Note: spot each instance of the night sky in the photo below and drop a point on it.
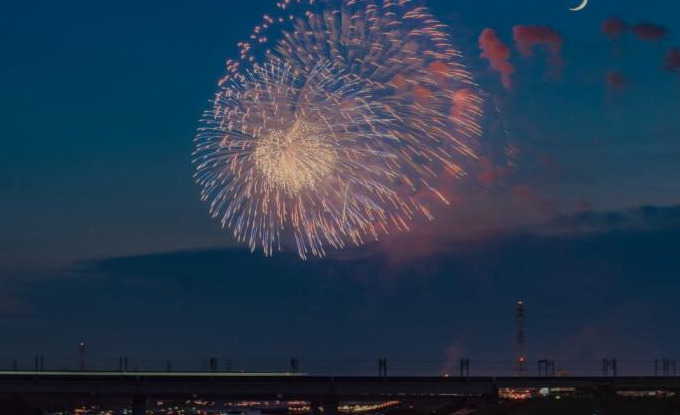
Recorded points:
(103, 237)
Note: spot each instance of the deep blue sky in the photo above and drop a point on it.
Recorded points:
(103, 238)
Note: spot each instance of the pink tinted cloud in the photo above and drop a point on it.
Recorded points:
(614, 27)
(549, 164)
(673, 60)
(497, 53)
(491, 174)
(525, 194)
(461, 102)
(529, 37)
(583, 205)
(616, 81)
(650, 31)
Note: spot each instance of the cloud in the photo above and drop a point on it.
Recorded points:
(529, 37)
(525, 194)
(643, 218)
(326, 302)
(650, 31)
(497, 53)
(472, 224)
(616, 81)
(461, 102)
(673, 60)
(440, 72)
(614, 27)
(583, 205)
(490, 173)
(446, 303)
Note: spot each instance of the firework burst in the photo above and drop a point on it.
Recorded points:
(335, 121)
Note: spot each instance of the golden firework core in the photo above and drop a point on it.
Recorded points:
(295, 159)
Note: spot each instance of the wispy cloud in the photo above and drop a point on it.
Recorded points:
(650, 31)
(673, 60)
(498, 55)
(614, 27)
(529, 37)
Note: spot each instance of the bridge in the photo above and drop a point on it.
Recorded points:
(138, 388)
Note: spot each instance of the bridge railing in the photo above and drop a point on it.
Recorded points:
(349, 366)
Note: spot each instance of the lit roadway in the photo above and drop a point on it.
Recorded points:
(138, 387)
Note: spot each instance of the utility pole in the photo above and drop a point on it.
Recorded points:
(521, 364)
(81, 351)
(382, 368)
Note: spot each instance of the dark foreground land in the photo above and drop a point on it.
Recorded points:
(561, 407)
(530, 407)
(587, 407)
(141, 391)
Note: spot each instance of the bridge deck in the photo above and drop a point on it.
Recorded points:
(285, 386)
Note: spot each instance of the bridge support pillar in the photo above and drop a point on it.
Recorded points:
(315, 407)
(139, 405)
(330, 407)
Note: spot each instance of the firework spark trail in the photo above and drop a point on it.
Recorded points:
(337, 113)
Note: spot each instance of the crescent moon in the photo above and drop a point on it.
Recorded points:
(581, 7)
